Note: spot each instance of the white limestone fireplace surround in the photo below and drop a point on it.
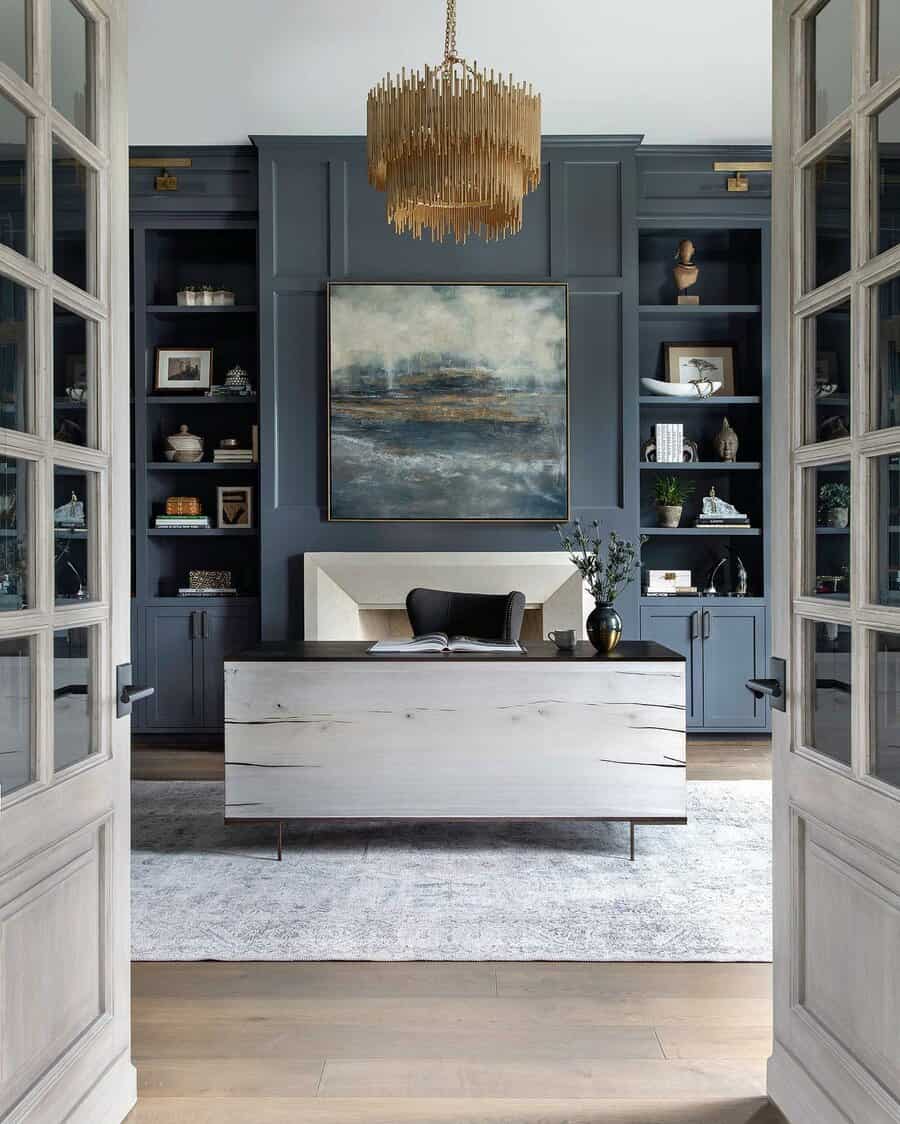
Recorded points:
(360, 595)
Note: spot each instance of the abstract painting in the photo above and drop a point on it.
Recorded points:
(448, 402)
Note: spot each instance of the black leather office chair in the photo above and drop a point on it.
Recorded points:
(487, 616)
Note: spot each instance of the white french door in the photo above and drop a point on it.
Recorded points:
(64, 563)
(836, 560)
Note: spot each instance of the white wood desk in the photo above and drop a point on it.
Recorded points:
(322, 730)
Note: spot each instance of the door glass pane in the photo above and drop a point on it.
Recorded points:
(12, 35)
(16, 742)
(71, 518)
(70, 32)
(887, 140)
(886, 311)
(832, 55)
(888, 13)
(831, 186)
(885, 763)
(73, 383)
(831, 492)
(14, 576)
(13, 174)
(828, 665)
(829, 367)
(885, 478)
(15, 355)
(73, 738)
(73, 227)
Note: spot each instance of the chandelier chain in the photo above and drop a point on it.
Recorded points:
(450, 34)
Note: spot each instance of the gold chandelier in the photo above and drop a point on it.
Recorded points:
(455, 149)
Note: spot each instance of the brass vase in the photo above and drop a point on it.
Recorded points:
(604, 626)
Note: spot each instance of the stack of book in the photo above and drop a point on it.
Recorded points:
(209, 591)
(669, 442)
(183, 522)
(736, 520)
(233, 456)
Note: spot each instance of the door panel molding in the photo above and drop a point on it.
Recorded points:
(43, 895)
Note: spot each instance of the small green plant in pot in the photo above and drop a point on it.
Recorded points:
(606, 571)
(834, 505)
(670, 496)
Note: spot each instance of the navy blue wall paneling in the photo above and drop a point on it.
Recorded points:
(320, 221)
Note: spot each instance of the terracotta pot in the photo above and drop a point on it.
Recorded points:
(667, 516)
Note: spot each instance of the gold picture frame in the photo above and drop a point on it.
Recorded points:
(687, 362)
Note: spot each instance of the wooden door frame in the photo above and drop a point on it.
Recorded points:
(812, 1072)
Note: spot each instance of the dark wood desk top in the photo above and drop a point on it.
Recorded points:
(628, 651)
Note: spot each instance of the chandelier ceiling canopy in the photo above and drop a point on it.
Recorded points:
(455, 149)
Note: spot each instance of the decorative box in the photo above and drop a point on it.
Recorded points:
(183, 505)
(209, 579)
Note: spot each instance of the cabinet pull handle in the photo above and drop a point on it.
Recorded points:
(695, 624)
(204, 632)
(193, 626)
(706, 624)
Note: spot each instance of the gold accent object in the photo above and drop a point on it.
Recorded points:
(183, 505)
(455, 149)
(738, 181)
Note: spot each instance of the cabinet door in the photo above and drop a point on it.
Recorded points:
(734, 647)
(225, 630)
(171, 643)
(678, 628)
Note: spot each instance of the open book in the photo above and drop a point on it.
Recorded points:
(430, 642)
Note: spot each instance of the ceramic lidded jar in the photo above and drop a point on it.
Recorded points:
(187, 447)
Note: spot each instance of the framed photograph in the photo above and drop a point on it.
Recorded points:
(183, 369)
(234, 507)
(688, 362)
(448, 402)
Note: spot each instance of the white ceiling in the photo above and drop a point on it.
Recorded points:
(679, 71)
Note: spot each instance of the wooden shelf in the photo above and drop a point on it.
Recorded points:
(198, 309)
(201, 466)
(199, 532)
(832, 530)
(694, 311)
(709, 532)
(701, 466)
(693, 403)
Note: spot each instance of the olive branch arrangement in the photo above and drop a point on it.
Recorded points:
(605, 571)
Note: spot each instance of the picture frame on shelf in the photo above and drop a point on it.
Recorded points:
(183, 370)
(689, 362)
(234, 507)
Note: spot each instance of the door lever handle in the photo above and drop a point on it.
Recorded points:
(135, 694)
(773, 687)
(762, 687)
(126, 693)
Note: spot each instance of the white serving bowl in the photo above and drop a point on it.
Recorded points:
(676, 389)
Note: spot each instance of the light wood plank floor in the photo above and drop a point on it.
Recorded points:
(708, 760)
(534, 1043)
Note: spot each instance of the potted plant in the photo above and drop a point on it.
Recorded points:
(606, 571)
(834, 505)
(670, 496)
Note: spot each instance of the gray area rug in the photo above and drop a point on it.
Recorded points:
(431, 891)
